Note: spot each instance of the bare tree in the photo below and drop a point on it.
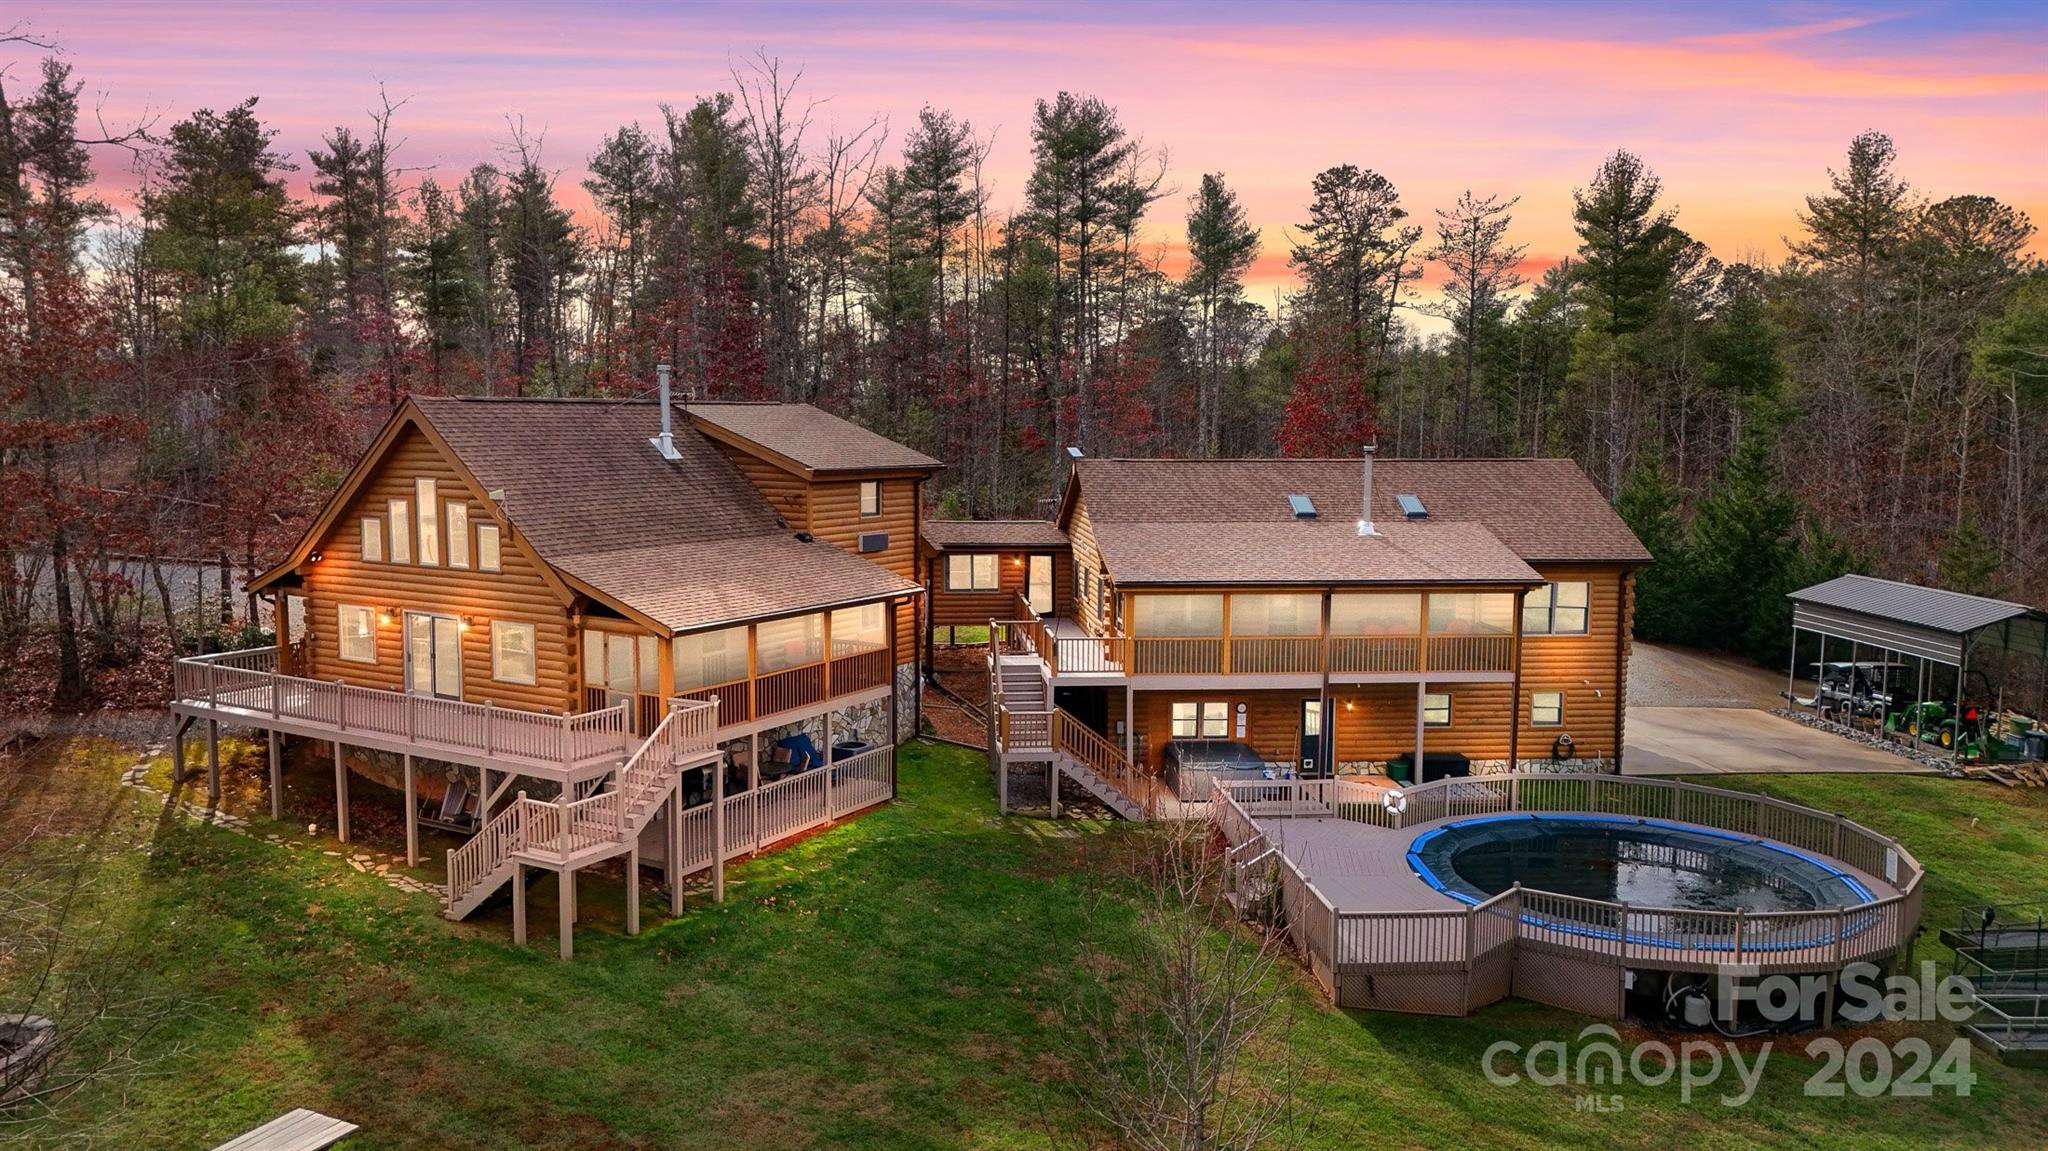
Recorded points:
(1172, 1034)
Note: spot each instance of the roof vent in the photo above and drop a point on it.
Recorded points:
(1304, 508)
(1412, 507)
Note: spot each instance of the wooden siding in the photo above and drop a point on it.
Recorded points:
(1588, 668)
(785, 491)
(835, 518)
(975, 608)
(518, 594)
(1081, 532)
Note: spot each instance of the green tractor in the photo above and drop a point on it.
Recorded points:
(1919, 720)
(1966, 733)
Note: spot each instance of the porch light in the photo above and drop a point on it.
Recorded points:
(385, 615)
(464, 623)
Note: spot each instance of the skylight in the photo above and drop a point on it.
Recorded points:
(1304, 508)
(1412, 507)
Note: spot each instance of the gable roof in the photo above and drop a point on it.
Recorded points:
(1230, 521)
(678, 545)
(953, 534)
(811, 440)
(1953, 612)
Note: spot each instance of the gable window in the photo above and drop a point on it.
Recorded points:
(1436, 709)
(373, 539)
(487, 557)
(1209, 719)
(1546, 709)
(512, 652)
(458, 535)
(971, 572)
(430, 523)
(871, 497)
(401, 531)
(1555, 609)
(357, 629)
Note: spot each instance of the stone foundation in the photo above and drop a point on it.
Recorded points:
(909, 705)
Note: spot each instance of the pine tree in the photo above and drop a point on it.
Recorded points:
(1222, 245)
(1472, 246)
(1666, 600)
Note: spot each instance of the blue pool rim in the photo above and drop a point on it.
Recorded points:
(1851, 925)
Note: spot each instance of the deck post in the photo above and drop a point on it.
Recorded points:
(675, 850)
(633, 889)
(519, 903)
(213, 763)
(1052, 785)
(566, 903)
(178, 750)
(276, 776)
(412, 816)
(340, 795)
(828, 764)
(718, 824)
(1421, 725)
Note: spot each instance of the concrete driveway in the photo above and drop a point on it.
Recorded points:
(1739, 740)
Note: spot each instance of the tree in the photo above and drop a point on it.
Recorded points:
(1472, 246)
(622, 184)
(1222, 245)
(1743, 549)
(1666, 603)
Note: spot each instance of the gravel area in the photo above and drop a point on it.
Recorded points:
(1661, 675)
(1923, 754)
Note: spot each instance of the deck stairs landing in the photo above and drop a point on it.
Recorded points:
(2003, 952)
(1026, 689)
(589, 828)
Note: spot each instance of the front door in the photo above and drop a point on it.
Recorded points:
(1038, 585)
(1314, 762)
(433, 655)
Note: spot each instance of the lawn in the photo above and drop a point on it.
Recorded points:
(892, 983)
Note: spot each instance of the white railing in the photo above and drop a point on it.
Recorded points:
(1457, 938)
(247, 683)
(757, 820)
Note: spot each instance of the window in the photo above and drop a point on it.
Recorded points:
(487, 558)
(401, 531)
(430, 522)
(1178, 615)
(358, 633)
(871, 497)
(458, 535)
(860, 629)
(1546, 708)
(971, 573)
(1471, 613)
(1436, 709)
(1375, 614)
(373, 539)
(512, 652)
(711, 658)
(782, 644)
(1555, 609)
(1206, 720)
(1279, 614)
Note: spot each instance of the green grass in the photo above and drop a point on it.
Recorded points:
(892, 983)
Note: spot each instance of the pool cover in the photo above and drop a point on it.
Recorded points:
(1627, 859)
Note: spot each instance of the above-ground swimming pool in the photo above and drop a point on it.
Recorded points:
(1644, 863)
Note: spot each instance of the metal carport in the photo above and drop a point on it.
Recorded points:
(1935, 627)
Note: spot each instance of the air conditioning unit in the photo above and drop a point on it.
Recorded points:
(874, 542)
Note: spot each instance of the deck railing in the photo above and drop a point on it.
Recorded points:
(1251, 655)
(247, 683)
(758, 819)
(1462, 941)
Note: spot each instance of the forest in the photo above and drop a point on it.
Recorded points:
(188, 374)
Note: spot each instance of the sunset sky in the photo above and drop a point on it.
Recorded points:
(1739, 108)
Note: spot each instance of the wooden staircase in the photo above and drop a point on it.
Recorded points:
(569, 832)
(1030, 727)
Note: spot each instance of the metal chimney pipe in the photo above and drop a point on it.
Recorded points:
(665, 443)
(1365, 525)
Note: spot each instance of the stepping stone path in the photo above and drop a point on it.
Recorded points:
(389, 868)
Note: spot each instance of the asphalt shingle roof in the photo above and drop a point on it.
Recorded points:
(944, 534)
(688, 543)
(1231, 520)
(814, 439)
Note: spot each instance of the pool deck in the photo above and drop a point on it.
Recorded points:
(1362, 868)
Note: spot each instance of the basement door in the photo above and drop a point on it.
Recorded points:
(1315, 741)
(433, 655)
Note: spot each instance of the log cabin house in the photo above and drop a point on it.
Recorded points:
(581, 629)
(1399, 618)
